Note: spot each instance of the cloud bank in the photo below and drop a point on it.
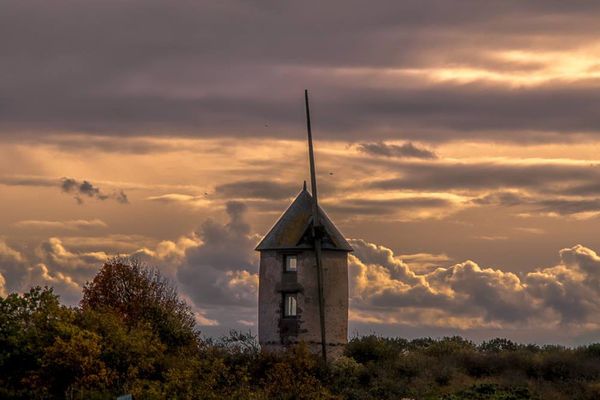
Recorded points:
(466, 296)
(512, 71)
(216, 269)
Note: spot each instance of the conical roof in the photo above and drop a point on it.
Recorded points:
(290, 231)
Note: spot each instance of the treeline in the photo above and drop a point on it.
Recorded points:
(132, 334)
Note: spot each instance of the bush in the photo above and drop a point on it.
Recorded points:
(375, 348)
(488, 391)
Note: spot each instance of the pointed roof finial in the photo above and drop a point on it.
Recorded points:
(304, 186)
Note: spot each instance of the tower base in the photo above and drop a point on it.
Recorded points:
(334, 350)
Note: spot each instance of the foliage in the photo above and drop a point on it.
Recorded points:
(489, 391)
(30, 324)
(132, 334)
(139, 294)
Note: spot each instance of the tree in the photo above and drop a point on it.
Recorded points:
(130, 353)
(140, 294)
(29, 323)
(74, 364)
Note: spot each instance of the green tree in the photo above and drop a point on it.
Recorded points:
(29, 324)
(131, 353)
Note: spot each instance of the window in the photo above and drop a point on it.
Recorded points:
(291, 263)
(289, 305)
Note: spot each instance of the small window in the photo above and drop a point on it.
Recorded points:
(291, 263)
(289, 305)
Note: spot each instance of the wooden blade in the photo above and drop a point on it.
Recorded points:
(311, 158)
(316, 230)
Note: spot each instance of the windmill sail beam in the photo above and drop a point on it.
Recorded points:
(311, 157)
(316, 229)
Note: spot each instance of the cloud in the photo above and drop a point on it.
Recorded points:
(173, 197)
(180, 198)
(242, 285)
(67, 269)
(470, 296)
(403, 208)
(424, 262)
(506, 199)
(406, 150)
(452, 175)
(110, 242)
(37, 181)
(51, 265)
(121, 197)
(535, 187)
(538, 204)
(72, 184)
(570, 206)
(64, 285)
(72, 225)
(12, 266)
(167, 254)
(78, 265)
(257, 189)
(222, 269)
(86, 189)
(454, 78)
(79, 189)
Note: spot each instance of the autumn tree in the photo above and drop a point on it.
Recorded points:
(141, 295)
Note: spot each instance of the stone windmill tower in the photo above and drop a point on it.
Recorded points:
(303, 279)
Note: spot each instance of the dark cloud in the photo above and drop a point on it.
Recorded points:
(501, 198)
(481, 176)
(28, 181)
(257, 189)
(357, 207)
(222, 268)
(80, 189)
(205, 69)
(569, 206)
(121, 197)
(406, 150)
(586, 189)
(540, 203)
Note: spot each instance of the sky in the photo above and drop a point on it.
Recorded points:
(457, 147)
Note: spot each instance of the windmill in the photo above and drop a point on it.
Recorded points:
(303, 275)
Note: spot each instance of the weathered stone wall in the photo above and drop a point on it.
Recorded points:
(274, 281)
(269, 300)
